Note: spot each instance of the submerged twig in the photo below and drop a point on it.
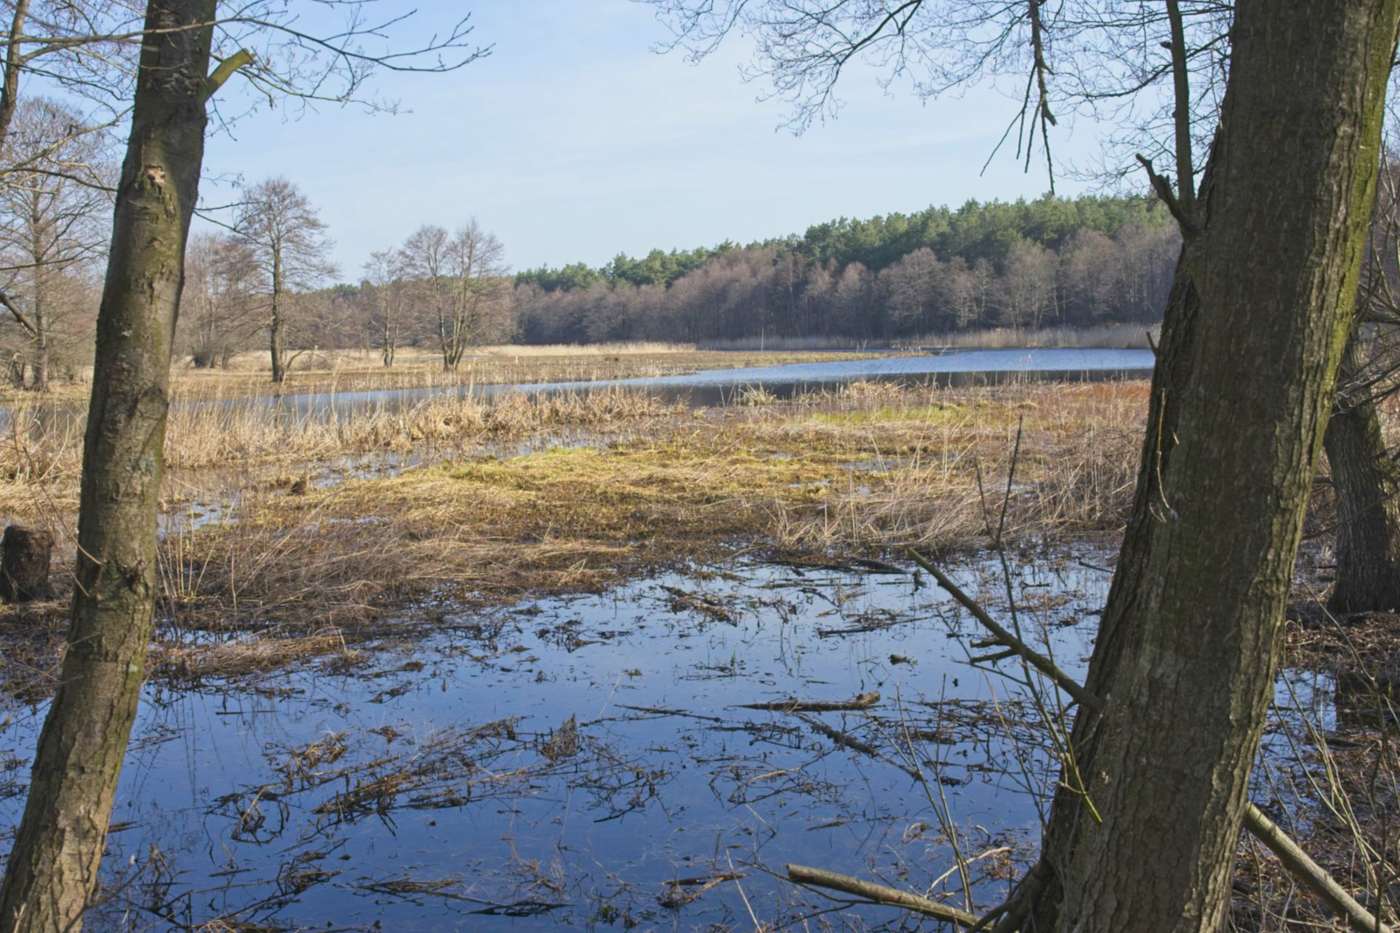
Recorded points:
(793, 705)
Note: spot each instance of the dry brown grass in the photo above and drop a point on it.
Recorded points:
(866, 469)
(239, 447)
(870, 468)
(1140, 336)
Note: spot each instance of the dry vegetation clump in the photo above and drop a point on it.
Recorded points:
(869, 468)
(255, 443)
(864, 469)
(208, 436)
(935, 463)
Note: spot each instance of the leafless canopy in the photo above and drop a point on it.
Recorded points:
(460, 277)
(1106, 58)
(284, 51)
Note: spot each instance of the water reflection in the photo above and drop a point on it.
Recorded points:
(578, 759)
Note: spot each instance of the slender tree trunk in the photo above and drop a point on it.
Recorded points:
(445, 342)
(40, 313)
(53, 866)
(41, 345)
(275, 350)
(1367, 483)
(274, 328)
(9, 82)
(1145, 824)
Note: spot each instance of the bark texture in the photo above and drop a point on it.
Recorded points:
(1144, 827)
(53, 866)
(9, 79)
(1367, 483)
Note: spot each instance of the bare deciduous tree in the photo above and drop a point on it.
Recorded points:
(460, 277)
(289, 244)
(386, 291)
(219, 305)
(49, 226)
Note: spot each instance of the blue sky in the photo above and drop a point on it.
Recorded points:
(574, 141)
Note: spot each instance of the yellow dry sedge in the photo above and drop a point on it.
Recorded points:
(855, 471)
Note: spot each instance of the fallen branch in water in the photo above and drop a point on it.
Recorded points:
(1288, 852)
(1302, 867)
(1041, 663)
(793, 705)
(683, 891)
(855, 744)
(879, 894)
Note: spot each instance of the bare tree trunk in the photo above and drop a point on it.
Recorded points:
(1367, 482)
(53, 866)
(40, 314)
(275, 349)
(1144, 827)
(9, 83)
(445, 342)
(274, 328)
(41, 347)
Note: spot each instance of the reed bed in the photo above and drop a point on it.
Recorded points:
(41, 449)
(1139, 336)
(866, 470)
(357, 370)
(488, 503)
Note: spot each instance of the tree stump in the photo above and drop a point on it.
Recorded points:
(24, 565)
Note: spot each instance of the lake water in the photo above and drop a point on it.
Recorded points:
(715, 386)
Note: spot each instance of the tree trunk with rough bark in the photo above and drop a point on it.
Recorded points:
(53, 866)
(9, 80)
(1144, 827)
(1367, 483)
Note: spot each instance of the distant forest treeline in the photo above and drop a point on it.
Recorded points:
(261, 283)
(1052, 261)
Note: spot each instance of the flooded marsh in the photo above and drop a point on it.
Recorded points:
(586, 760)
(612, 660)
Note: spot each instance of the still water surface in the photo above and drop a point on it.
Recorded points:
(560, 763)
